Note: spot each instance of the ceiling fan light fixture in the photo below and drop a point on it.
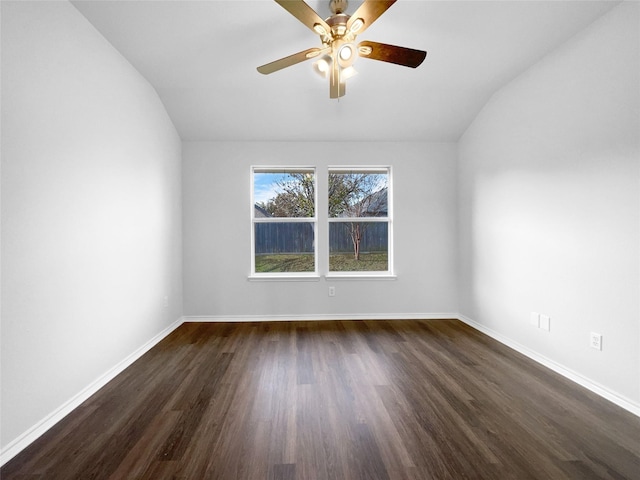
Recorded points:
(346, 52)
(347, 73)
(322, 67)
(338, 53)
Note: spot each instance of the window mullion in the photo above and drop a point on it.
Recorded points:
(358, 219)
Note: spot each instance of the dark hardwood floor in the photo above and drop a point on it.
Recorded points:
(336, 400)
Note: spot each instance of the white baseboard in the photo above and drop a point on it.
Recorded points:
(319, 317)
(28, 437)
(581, 380)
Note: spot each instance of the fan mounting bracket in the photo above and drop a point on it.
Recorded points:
(338, 6)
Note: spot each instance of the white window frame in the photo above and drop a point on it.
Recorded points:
(364, 274)
(313, 220)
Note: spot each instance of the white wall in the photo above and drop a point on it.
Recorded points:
(216, 189)
(91, 233)
(549, 183)
(548, 212)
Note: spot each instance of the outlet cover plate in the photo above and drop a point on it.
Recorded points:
(545, 322)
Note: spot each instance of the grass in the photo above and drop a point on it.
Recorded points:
(304, 262)
(369, 262)
(285, 262)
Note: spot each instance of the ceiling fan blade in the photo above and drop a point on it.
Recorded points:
(304, 13)
(292, 60)
(407, 57)
(337, 88)
(369, 12)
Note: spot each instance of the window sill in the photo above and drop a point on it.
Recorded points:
(283, 278)
(362, 276)
(316, 278)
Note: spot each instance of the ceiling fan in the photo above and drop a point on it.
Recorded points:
(338, 34)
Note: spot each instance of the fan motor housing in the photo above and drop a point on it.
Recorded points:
(338, 24)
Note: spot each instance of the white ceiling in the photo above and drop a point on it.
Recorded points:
(201, 57)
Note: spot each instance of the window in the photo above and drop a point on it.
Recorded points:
(356, 238)
(284, 222)
(359, 220)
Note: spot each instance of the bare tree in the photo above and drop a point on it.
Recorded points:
(356, 195)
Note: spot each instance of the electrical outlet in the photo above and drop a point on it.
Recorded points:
(166, 302)
(332, 291)
(596, 341)
(545, 322)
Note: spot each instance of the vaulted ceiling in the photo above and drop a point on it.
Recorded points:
(201, 57)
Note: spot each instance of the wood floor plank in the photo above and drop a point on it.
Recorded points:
(392, 400)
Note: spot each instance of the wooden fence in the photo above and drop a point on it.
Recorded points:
(273, 238)
(375, 237)
(283, 238)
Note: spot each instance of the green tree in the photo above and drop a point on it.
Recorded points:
(295, 197)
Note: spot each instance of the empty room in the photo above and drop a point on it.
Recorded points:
(258, 239)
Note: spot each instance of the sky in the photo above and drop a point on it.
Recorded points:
(264, 185)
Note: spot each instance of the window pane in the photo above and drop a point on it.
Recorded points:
(361, 194)
(284, 247)
(289, 194)
(358, 246)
